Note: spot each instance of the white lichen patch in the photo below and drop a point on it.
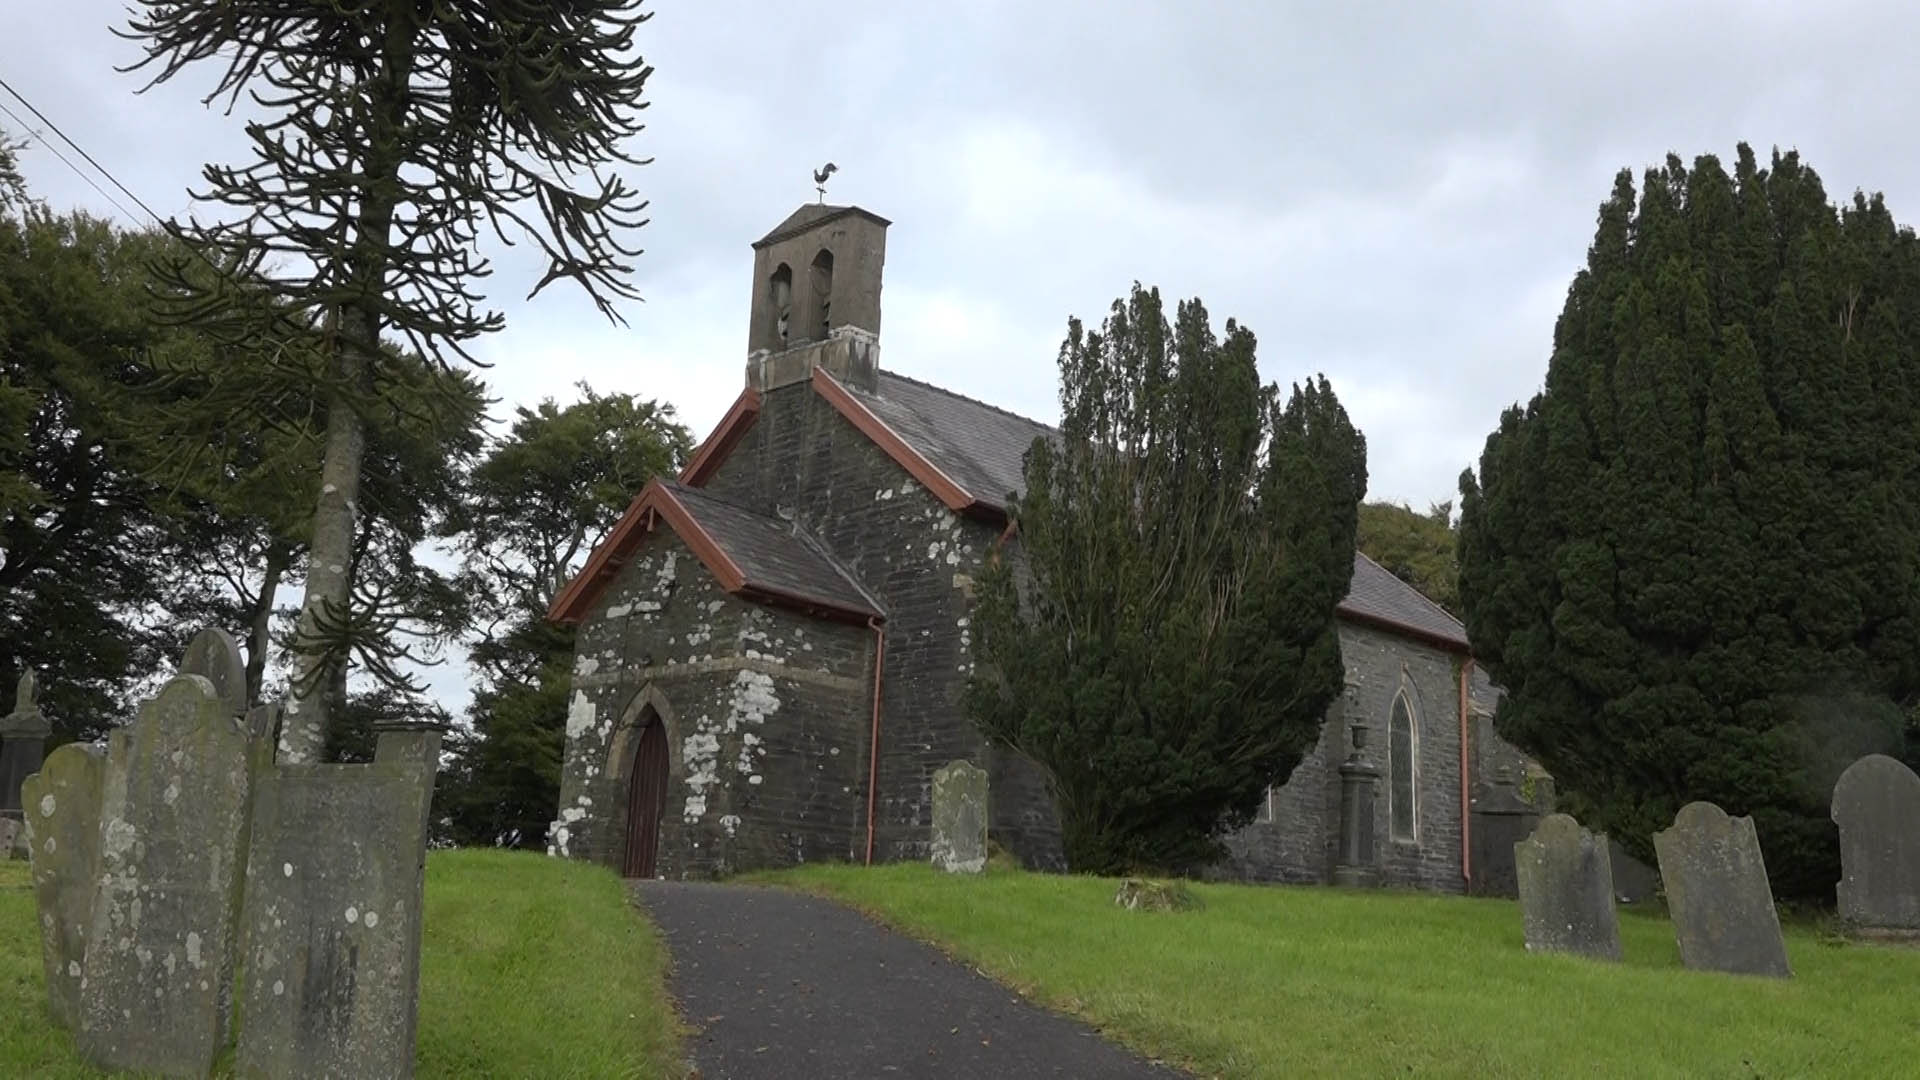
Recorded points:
(372, 919)
(353, 915)
(193, 950)
(286, 869)
(46, 806)
(619, 611)
(580, 715)
(585, 665)
(730, 822)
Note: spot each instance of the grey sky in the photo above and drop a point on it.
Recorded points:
(1394, 194)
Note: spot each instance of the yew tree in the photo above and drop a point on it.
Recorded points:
(390, 137)
(1160, 637)
(1693, 559)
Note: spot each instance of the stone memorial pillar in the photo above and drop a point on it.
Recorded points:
(1354, 862)
(1501, 819)
(23, 740)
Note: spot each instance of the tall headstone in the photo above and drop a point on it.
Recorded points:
(960, 818)
(1565, 882)
(214, 655)
(1354, 861)
(23, 740)
(160, 945)
(63, 834)
(1501, 819)
(1876, 804)
(335, 888)
(1717, 893)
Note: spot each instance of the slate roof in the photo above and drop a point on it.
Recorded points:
(979, 447)
(774, 554)
(982, 449)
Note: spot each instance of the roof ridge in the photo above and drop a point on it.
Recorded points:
(1410, 587)
(970, 400)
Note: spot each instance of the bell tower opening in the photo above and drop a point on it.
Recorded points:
(781, 287)
(822, 281)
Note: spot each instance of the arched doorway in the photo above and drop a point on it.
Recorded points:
(646, 797)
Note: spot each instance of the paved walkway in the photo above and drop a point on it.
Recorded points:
(780, 985)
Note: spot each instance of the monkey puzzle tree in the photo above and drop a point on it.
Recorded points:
(1693, 560)
(1162, 643)
(395, 133)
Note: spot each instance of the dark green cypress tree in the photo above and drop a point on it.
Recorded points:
(1161, 638)
(1693, 560)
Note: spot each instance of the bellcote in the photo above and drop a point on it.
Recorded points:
(816, 297)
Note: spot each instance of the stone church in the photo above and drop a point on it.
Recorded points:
(773, 646)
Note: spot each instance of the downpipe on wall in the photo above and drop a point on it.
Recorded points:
(873, 748)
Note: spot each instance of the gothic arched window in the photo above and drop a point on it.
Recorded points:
(1403, 768)
(782, 285)
(823, 292)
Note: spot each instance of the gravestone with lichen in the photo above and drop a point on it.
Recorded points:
(1565, 881)
(332, 916)
(1717, 893)
(63, 836)
(1876, 804)
(23, 738)
(960, 818)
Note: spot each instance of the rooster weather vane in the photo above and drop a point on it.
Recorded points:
(820, 178)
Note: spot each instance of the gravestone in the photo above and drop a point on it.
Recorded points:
(1876, 804)
(960, 818)
(23, 740)
(335, 881)
(214, 655)
(63, 833)
(1354, 863)
(1717, 893)
(1565, 882)
(1501, 819)
(160, 945)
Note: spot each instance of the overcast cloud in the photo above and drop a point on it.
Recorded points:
(1396, 195)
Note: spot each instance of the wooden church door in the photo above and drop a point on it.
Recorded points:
(646, 799)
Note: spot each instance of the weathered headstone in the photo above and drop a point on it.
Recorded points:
(23, 740)
(1354, 863)
(63, 834)
(160, 945)
(215, 656)
(1876, 804)
(1501, 819)
(335, 882)
(960, 818)
(1717, 893)
(1565, 881)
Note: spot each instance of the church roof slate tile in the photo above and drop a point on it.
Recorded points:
(774, 555)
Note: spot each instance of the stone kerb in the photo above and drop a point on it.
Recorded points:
(159, 949)
(1565, 882)
(1876, 804)
(63, 836)
(960, 818)
(1718, 895)
(335, 880)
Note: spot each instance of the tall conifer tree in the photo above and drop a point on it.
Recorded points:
(1694, 559)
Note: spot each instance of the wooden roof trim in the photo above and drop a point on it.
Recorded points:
(926, 472)
(1418, 633)
(654, 500)
(733, 427)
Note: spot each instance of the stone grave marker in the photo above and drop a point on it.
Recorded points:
(160, 944)
(23, 739)
(1565, 881)
(1876, 804)
(335, 880)
(63, 833)
(960, 818)
(215, 656)
(1717, 893)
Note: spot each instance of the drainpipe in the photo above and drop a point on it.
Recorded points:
(873, 749)
(1466, 802)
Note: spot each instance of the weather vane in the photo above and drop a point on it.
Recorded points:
(820, 178)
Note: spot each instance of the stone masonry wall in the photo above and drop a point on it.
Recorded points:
(1297, 845)
(920, 559)
(765, 715)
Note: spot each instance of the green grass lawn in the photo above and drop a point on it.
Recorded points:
(530, 967)
(1270, 981)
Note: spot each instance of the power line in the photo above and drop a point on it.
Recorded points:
(77, 171)
(4, 85)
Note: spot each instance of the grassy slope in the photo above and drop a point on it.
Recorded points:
(530, 967)
(1317, 981)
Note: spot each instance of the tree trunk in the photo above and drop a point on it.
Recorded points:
(303, 729)
(260, 619)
